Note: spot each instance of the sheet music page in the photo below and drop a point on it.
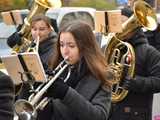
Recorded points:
(16, 70)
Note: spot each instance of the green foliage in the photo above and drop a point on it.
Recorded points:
(6, 5)
(98, 4)
(21, 4)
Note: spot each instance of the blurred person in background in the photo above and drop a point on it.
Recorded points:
(152, 36)
(42, 30)
(137, 105)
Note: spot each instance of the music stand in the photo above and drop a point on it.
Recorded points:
(23, 67)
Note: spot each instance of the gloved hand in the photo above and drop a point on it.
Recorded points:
(129, 83)
(14, 39)
(58, 89)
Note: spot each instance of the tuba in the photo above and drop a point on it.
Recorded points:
(38, 6)
(120, 54)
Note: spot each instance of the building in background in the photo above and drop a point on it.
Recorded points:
(157, 5)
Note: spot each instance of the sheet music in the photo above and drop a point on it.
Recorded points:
(16, 70)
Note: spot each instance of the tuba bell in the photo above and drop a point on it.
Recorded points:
(120, 54)
(38, 6)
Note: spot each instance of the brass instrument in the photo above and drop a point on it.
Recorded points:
(24, 108)
(39, 6)
(120, 54)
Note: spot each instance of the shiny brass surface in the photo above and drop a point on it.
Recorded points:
(38, 6)
(120, 54)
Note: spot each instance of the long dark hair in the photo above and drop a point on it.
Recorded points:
(88, 47)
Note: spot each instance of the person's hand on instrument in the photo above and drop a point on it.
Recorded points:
(14, 39)
(58, 89)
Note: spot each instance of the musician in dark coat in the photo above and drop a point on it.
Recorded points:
(41, 30)
(6, 97)
(85, 95)
(137, 105)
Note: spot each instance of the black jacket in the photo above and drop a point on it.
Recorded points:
(138, 103)
(6, 97)
(45, 47)
(85, 99)
(154, 37)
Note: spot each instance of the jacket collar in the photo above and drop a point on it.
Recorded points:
(138, 38)
(47, 43)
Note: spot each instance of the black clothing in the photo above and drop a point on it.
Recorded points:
(6, 97)
(127, 11)
(154, 37)
(14, 39)
(87, 95)
(129, 83)
(59, 88)
(54, 24)
(46, 49)
(138, 103)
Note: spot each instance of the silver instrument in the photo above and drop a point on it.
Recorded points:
(27, 110)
